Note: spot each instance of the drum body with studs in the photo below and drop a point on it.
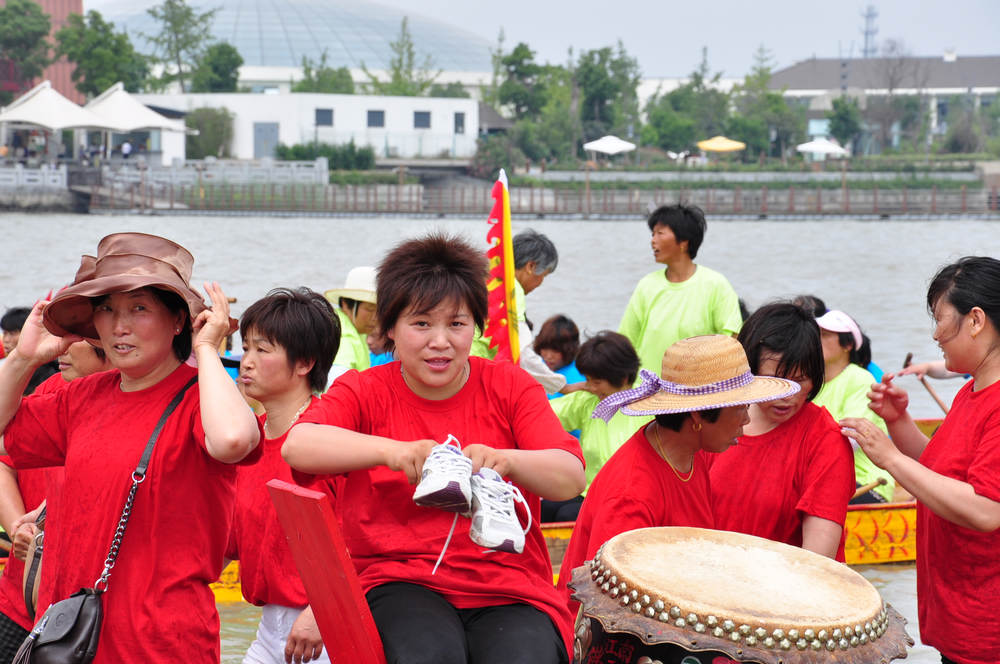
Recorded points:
(663, 594)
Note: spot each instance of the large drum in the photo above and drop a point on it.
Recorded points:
(688, 594)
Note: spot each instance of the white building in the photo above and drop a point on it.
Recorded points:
(405, 127)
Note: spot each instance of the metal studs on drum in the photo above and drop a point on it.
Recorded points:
(831, 645)
(711, 621)
(760, 632)
(680, 622)
(822, 635)
(778, 634)
(769, 642)
(844, 644)
(650, 612)
(801, 644)
(699, 627)
(744, 630)
(658, 605)
(675, 612)
(816, 645)
(718, 632)
(637, 607)
(663, 617)
(809, 634)
(785, 644)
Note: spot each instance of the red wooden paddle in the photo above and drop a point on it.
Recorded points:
(345, 623)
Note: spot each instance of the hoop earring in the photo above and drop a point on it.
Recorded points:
(696, 426)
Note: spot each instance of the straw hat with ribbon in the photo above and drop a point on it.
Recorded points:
(124, 262)
(697, 374)
(359, 286)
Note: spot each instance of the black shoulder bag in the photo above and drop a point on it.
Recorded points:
(68, 632)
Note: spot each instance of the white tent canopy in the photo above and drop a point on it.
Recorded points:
(822, 146)
(609, 145)
(43, 107)
(126, 114)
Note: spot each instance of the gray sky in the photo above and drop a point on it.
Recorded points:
(667, 36)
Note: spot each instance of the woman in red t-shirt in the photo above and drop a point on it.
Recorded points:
(289, 341)
(955, 475)
(792, 473)
(135, 300)
(443, 588)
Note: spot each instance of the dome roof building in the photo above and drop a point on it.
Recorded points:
(277, 34)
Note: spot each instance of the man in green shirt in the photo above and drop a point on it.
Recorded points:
(355, 306)
(684, 300)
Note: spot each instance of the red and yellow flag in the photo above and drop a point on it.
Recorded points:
(501, 321)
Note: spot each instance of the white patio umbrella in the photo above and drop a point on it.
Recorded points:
(609, 145)
(822, 146)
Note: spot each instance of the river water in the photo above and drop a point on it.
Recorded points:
(875, 270)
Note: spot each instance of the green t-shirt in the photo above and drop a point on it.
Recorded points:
(847, 396)
(353, 351)
(660, 313)
(599, 439)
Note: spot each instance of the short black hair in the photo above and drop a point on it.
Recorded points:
(811, 303)
(609, 356)
(686, 221)
(788, 330)
(674, 421)
(973, 281)
(424, 272)
(14, 318)
(303, 323)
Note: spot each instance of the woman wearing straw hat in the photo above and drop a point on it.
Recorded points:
(791, 475)
(355, 307)
(659, 477)
(138, 305)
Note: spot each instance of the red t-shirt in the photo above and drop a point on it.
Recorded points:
(766, 485)
(635, 489)
(158, 607)
(958, 569)
(267, 571)
(391, 538)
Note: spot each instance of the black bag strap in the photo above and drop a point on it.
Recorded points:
(138, 476)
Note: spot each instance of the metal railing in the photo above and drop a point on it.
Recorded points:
(475, 200)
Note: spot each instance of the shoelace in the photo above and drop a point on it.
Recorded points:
(449, 461)
(494, 498)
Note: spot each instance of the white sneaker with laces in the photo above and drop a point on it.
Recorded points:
(445, 482)
(494, 519)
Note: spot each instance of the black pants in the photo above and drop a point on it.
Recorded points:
(419, 626)
(11, 637)
(870, 498)
(554, 511)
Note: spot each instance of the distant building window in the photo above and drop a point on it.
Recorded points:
(376, 118)
(459, 123)
(421, 119)
(324, 117)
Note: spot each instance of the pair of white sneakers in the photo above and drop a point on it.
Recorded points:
(448, 483)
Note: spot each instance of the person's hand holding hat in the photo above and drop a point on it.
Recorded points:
(212, 326)
(36, 344)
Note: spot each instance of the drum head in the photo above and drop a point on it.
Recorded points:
(752, 598)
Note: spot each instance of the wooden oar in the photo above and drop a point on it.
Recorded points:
(923, 380)
(862, 490)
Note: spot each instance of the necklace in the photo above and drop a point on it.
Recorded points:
(663, 455)
(295, 417)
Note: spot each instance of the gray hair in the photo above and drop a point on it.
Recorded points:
(532, 246)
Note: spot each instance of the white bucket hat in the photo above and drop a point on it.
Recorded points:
(359, 285)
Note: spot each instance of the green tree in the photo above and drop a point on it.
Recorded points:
(182, 40)
(406, 77)
(321, 77)
(521, 88)
(763, 118)
(215, 132)
(101, 56)
(666, 128)
(845, 120)
(218, 70)
(453, 89)
(701, 101)
(598, 89)
(494, 152)
(23, 31)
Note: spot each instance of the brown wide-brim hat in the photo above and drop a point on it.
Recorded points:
(124, 262)
(697, 373)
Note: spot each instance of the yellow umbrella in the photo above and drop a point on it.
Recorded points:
(720, 144)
